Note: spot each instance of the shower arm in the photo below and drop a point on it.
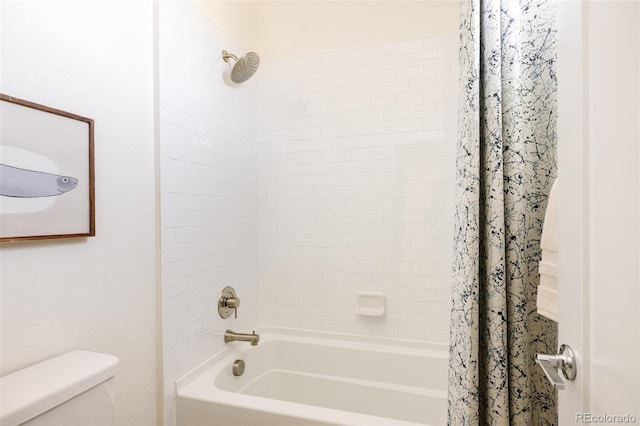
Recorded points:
(226, 55)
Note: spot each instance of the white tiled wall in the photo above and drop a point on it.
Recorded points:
(209, 191)
(335, 170)
(356, 188)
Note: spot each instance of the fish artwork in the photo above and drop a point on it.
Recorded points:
(24, 183)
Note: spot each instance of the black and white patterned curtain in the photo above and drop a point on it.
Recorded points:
(506, 163)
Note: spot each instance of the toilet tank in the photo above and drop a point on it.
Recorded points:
(72, 389)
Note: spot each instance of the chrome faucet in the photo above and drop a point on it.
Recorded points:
(232, 336)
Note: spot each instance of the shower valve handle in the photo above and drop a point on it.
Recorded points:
(233, 303)
(227, 302)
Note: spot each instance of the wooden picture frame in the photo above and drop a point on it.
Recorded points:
(47, 180)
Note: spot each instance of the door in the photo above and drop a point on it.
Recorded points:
(599, 208)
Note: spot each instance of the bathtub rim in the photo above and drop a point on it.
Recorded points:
(353, 341)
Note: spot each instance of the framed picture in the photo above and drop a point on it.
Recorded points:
(46, 172)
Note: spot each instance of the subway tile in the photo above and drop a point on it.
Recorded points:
(410, 99)
(411, 125)
(382, 76)
(349, 164)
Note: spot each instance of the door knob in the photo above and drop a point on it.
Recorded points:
(565, 361)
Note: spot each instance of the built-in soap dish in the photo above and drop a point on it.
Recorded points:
(370, 304)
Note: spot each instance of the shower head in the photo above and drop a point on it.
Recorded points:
(244, 67)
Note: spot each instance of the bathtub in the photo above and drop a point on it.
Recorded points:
(296, 378)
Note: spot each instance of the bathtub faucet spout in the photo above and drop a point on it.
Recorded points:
(232, 336)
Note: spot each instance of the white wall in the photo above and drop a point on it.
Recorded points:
(93, 59)
(356, 188)
(237, 19)
(286, 29)
(295, 28)
(208, 133)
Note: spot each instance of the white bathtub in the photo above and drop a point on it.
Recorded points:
(298, 377)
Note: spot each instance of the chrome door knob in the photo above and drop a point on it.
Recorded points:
(565, 360)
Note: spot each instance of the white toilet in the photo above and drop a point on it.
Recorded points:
(73, 389)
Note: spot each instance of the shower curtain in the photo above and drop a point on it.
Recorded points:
(506, 163)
